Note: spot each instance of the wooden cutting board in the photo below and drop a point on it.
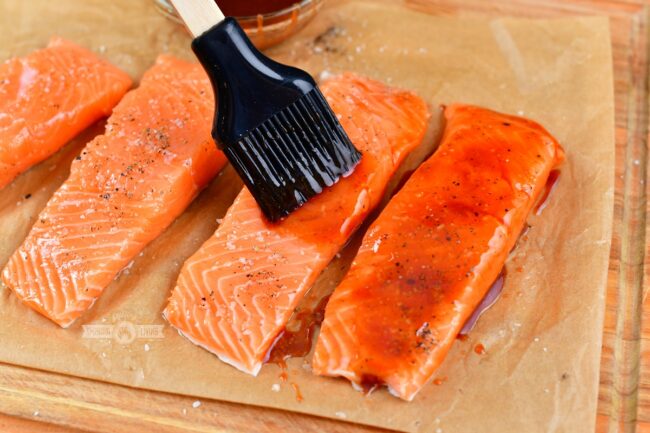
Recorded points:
(625, 377)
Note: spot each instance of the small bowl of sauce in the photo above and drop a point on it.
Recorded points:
(267, 22)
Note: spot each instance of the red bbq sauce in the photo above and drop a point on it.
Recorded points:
(489, 299)
(295, 387)
(439, 380)
(553, 177)
(245, 8)
(296, 342)
(369, 383)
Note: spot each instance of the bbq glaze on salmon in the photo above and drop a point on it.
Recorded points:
(237, 292)
(124, 189)
(47, 98)
(427, 261)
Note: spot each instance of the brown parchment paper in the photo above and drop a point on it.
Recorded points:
(543, 337)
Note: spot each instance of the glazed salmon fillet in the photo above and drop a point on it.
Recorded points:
(428, 260)
(124, 189)
(237, 292)
(47, 98)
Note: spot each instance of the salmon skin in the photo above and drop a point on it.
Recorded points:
(237, 292)
(427, 261)
(47, 98)
(124, 189)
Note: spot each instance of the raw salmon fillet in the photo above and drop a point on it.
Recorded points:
(48, 97)
(237, 292)
(124, 189)
(430, 257)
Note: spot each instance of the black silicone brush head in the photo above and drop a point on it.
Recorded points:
(272, 122)
(293, 155)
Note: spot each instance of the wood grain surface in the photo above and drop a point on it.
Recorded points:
(36, 401)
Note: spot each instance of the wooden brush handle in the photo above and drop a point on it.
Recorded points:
(198, 15)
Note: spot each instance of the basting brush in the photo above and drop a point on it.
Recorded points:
(271, 120)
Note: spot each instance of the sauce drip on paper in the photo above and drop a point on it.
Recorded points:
(488, 300)
(553, 177)
(296, 342)
(369, 383)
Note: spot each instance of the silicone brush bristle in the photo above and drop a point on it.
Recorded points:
(293, 155)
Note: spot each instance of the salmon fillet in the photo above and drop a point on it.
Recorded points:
(430, 257)
(237, 292)
(48, 97)
(124, 189)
